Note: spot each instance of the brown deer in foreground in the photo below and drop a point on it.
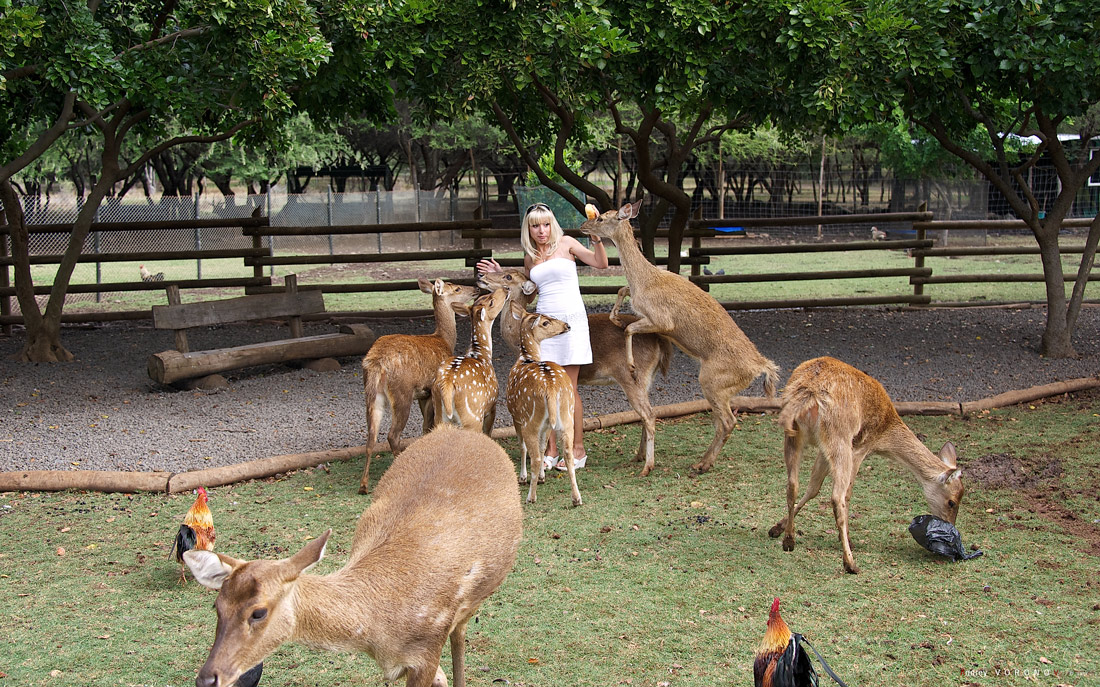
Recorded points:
(847, 415)
(438, 539)
(540, 398)
(651, 353)
(670, 305)
(399, 368)
(465, 388)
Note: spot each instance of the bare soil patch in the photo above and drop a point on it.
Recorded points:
(1038, 483)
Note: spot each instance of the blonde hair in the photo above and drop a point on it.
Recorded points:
(539, 212)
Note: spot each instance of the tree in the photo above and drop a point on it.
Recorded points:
(1004, 68)
(124, 71)
(673, 75)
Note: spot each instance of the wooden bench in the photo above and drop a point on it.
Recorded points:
(184, 364)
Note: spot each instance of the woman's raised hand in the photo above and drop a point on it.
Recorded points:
(488, 265)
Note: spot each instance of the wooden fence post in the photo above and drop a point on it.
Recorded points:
(918, 257)
(697, 242)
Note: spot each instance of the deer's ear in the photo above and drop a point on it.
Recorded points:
(635, 208)
(948, 456)
(529, 288)
(310, 554)
(437, 287)
(424, 285)
(209, 568)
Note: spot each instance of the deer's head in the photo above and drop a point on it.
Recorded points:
(513, 279)
(944, 494)
(607, 224)
(256, 607)
(450, 293)
(535, 327)
(485, 308)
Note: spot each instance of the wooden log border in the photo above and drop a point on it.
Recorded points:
(129, 482)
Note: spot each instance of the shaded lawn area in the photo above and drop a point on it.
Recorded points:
(659, 581)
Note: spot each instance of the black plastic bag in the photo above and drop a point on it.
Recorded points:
(940, 536)
(252, 677)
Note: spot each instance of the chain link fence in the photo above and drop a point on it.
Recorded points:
(316, 209)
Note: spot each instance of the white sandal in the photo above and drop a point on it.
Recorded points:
(578, 463)
(548, 462)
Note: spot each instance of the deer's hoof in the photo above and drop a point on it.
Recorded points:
(777, 530)
(646, 470)
(851, 568)
(364, 487)
(788, 543)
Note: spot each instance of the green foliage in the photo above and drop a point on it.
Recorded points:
(205, 65)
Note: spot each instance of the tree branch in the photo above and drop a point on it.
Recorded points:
(180, 140)
(44, 140)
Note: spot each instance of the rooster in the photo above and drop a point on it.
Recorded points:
(196, 532)
(146, 275)
(781, 661)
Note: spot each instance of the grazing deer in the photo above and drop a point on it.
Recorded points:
(465, 388)
(847, 415)
(399, 368)
(438, 539)
(670, 305)
(651, 353)
(540, 398)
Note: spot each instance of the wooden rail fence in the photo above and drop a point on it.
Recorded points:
(478, 231)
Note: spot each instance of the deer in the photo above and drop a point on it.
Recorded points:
(439, 537)
(847, 414)
(399, 368)
(608, 366)
(464, 391)
(668, 304)
(539, 396)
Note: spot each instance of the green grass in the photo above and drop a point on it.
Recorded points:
(662, 580)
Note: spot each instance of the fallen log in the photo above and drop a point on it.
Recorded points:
(1011, 398)
(172, 366)
(83, 480)
(257, 469)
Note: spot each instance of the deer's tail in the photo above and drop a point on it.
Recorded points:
(771, 377)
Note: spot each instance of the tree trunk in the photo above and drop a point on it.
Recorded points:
(43, 342)
(1057, 336)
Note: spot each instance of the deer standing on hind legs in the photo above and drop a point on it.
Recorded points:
(465, 390)
(670, 305)
(540, 400)
(439, 537)
(847, 415)
(651, 353)
(399, 368)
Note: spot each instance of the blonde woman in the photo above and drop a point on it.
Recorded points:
(550, 259)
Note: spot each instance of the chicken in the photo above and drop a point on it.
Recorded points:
(146, 275)
(877, 234)
(779, 660)
(196, 532)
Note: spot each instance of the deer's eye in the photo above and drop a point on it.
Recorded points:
(258, 615)
(951, 504)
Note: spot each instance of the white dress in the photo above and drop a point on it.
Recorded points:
(560, 298)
